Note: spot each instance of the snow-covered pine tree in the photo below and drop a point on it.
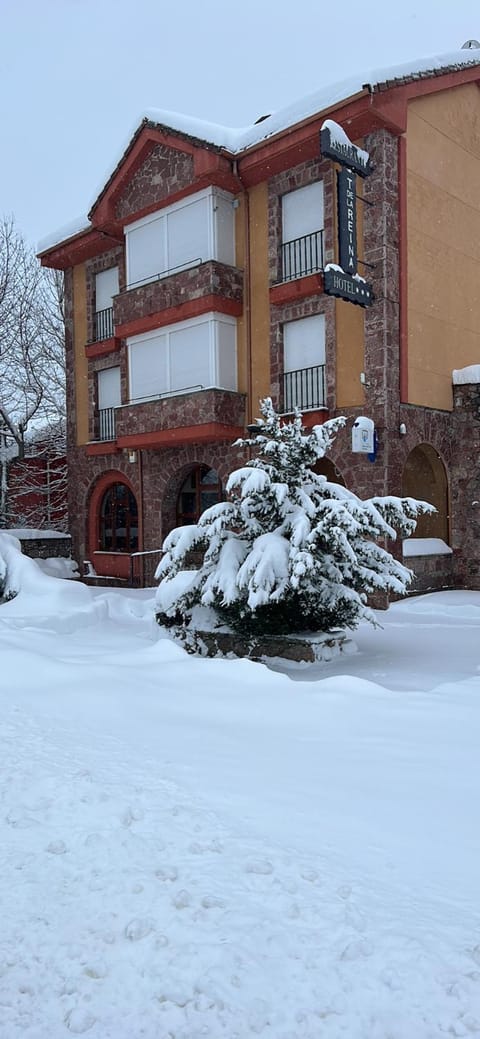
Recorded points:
(288, 551)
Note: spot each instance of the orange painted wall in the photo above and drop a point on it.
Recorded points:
(260, 302)
(80, 360)
(443, 241)
(350, 354)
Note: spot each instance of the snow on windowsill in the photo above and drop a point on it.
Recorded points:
(425, 547)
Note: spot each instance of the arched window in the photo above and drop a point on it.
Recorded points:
(200, 490)
(118, 520)
(424, 477)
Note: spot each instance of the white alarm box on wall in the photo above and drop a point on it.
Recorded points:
(363, 435)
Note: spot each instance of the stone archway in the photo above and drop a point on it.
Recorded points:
(325, 467)
(425, 477)
(201, 488)
(186, 483)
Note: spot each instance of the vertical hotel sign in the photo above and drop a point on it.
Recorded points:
(347, 221)
(344, 281)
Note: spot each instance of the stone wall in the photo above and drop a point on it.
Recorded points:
(181, 410)
(465, 486)
(159, 473)
(432, 573)
(47, 548)
(211, 278)
(164, 172)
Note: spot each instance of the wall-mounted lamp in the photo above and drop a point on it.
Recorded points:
(402, 429)
(130, 454)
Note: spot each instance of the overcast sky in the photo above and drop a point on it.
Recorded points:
(76, 74)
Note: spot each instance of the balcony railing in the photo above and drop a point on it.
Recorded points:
(106, 424)
(304, 388)
(103, 325)
(302, 256)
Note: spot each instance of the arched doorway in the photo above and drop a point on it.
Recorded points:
(113, 525)
(201, 489)
(118, 520)
(425, 477)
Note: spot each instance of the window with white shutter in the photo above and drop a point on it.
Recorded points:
(302, 231)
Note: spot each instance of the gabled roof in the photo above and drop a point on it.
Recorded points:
(372, 81)
(190, 133)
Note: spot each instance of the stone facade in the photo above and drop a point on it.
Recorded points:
(183, 409)
(206, 279)
(165, 172)
(157, 473)
(155, 477)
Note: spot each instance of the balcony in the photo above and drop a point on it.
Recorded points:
(302, 256)
(169, 297)
(103, 325)
(193, 415)
(304, 389)
(106, 424)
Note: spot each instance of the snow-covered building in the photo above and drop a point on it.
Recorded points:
(206, 277)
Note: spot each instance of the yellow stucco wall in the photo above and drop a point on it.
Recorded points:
(260, 301)
(443, 236)
(350, 354)
(80, 360)
(242, 380)
(254, 210)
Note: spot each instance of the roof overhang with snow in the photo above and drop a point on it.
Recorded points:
(239, 158)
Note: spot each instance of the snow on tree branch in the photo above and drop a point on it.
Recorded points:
(289, 551)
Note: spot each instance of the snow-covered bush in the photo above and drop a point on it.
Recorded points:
(288, 551)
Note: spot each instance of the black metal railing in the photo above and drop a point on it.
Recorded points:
(103, 325)
(302, 256)
(167, 271)
(304, 388)
(106, 424)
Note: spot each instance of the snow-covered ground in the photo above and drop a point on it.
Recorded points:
(196, 848)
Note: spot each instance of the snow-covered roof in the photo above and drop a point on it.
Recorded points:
(466, 376)
(237, 140)
(62, 234)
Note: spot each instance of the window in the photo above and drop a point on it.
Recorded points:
(201, 489)
(189, 232)
(302, 231)
(118, 520)
(189, 355)
(109, 398)
(304, 363)
(106, 287)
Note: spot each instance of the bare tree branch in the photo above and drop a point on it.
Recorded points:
(32, 357)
